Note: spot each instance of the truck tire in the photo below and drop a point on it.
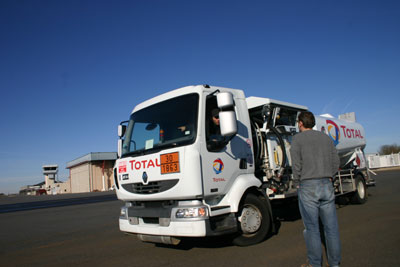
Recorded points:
(360, 196)
(254, 221)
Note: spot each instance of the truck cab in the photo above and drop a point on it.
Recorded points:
(174, 174)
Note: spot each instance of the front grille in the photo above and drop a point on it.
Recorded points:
(151, 220)
(151, 187)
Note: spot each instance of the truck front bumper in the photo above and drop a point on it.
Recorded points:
(175, 221)
(174, 228)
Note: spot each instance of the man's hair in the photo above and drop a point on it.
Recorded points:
(307, 118)
(215, 112)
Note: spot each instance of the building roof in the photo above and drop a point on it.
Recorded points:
(93, 156)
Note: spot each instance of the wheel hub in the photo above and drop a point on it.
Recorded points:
(360, 189)
(250, 220)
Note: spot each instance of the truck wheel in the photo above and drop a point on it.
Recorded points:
(254, 221)
(360, 196)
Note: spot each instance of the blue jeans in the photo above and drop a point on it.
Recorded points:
(317, 201)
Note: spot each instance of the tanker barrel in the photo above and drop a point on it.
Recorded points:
(346, 134)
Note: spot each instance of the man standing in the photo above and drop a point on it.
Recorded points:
(315, 162)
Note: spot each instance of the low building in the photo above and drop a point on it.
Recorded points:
(92, 172)
(383, 161)
(33, 190)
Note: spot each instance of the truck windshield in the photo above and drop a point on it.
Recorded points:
(167, 124)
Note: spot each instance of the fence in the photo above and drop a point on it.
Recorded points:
(377, 161)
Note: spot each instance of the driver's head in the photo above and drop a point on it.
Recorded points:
(215, 116)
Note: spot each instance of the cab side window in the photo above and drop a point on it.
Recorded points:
(215, 141)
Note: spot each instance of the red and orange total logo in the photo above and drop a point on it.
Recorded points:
(335, 134)
(218, 166)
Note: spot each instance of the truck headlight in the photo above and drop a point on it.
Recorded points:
(193, 212)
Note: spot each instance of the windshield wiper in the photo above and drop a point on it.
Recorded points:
(168, 145)
(156, 149)
(140, 152)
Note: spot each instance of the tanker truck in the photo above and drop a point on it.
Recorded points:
(179, 175)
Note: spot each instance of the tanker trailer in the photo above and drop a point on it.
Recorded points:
(349, 138)
(274, 123)
(347, 135)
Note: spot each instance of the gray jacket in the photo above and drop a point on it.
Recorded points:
(313, 156)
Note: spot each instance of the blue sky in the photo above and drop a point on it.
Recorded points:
(70, 71)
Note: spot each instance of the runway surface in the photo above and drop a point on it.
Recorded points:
(88, 235)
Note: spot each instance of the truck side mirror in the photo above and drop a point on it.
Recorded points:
(119, 153)
(121, 133)
(225, 100)
(227, 117)
(121, 130)
(227, 123)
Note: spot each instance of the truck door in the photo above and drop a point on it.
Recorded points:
(224, 157)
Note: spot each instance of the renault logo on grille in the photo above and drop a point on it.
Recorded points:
(144, 177)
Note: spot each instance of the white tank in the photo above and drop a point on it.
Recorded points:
(348, 136)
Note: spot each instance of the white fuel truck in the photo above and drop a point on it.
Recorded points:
(180, 175)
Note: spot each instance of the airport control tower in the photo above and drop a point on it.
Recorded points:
(50, 175)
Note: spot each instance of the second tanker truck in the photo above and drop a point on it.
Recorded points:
(181, 176)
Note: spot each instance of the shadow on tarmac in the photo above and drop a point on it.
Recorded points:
(282, 211)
